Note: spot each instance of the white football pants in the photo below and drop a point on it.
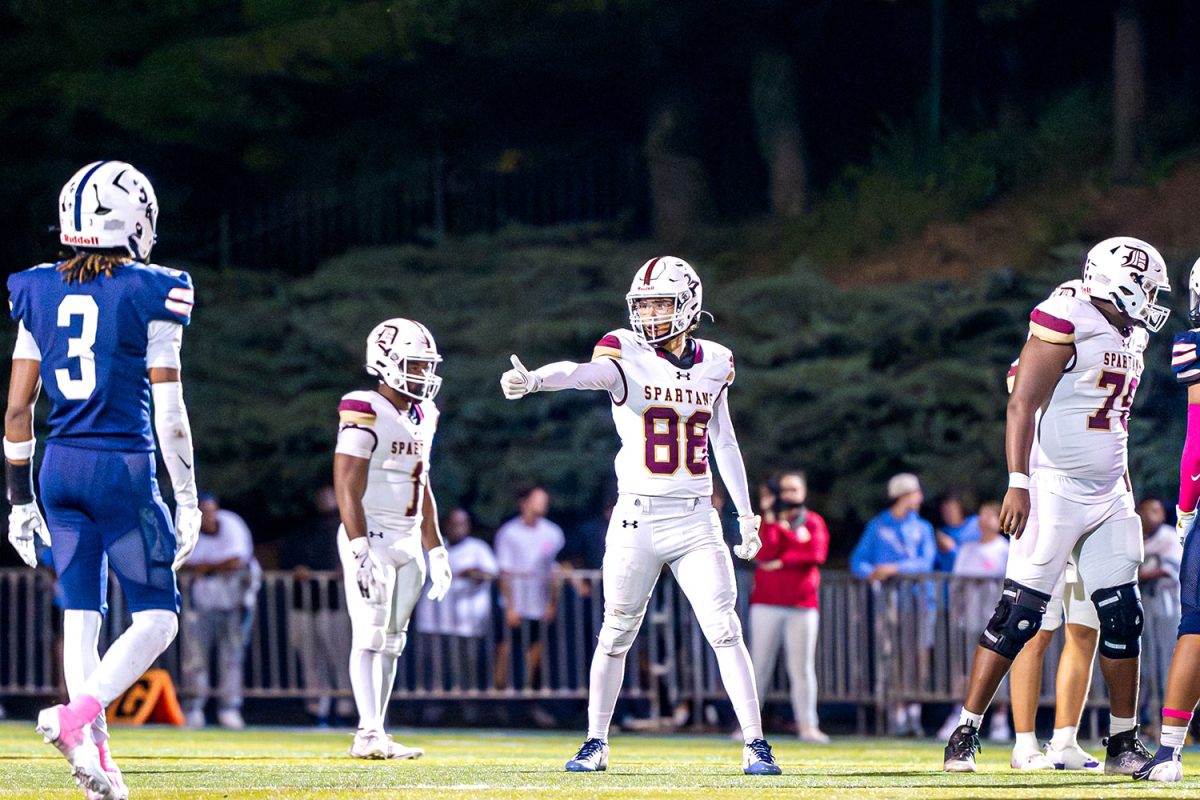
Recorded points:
(644, 535)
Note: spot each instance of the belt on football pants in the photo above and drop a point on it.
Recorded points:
(669, 505)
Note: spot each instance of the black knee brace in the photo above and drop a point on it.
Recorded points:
(1017, 618)
(1121, 620)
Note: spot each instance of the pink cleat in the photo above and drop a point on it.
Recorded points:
(68, 728)
(120, 790)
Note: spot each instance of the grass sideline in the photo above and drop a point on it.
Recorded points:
(172, 764)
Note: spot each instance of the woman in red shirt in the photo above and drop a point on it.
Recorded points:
(783, 605)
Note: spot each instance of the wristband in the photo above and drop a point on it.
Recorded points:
(18, 451)
(1018, 480)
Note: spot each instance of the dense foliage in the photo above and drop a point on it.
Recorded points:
(852, 385)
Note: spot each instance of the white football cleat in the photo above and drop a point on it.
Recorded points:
(120, 790)
(378, 745)
(397, 750)
(369, 744)
(1168, 772)
(72, 736)
(1029, 758)
(1072, 757)
(592, 757)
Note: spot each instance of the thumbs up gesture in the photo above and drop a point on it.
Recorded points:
(518, 381)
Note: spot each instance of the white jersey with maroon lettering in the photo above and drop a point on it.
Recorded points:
(1082, 434)
(397, 444)
(663, 413)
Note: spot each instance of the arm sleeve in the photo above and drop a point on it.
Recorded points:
(175, 440)
(728, 455)
(26, 347)
(603, 373)
(1189, 462)
(862, 560)
(164, 340)
(1185, 362)
(814, 551)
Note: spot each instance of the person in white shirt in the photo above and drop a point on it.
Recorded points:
(220, 572)
(458, 623)
(527, 548)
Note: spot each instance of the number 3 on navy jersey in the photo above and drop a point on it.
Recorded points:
(80, 347)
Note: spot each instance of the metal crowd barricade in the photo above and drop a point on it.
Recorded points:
(908, 640)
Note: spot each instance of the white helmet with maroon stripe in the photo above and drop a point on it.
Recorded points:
(1129, 273)
(661, 279)
(403, 355)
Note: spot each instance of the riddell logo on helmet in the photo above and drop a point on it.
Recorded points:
(75, 238)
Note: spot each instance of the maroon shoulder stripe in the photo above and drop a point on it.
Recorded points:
(1051, 322)
(609, 341)
(361, 406)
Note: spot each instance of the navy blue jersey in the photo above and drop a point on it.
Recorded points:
(93, 338)
(1185, 362)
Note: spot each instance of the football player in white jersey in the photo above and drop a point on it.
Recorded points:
(389, 517)
(670, 402)
(1069, 608)
(1069, 492)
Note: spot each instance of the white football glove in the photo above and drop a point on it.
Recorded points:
(1183, 523)
(370, 571)
(24, 523)
(439, 573)
(187, 533)
(751, 544)
(518, 381)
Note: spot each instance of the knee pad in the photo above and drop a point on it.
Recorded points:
(723, 631)
(393, 643)
(1121, 620)
(368, 637)
(1016, 620)
(618, 632)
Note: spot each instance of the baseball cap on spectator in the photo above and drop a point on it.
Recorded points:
(902, 484)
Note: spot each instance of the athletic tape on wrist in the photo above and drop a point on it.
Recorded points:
(1018, 480)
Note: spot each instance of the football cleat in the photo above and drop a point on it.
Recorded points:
(70, 733)
(378, 745)
(757, 759)
(1125, 754)
(231, 718)
(120, 790)
(961, 749)
(592, 757)
(1072, 757)
(1165, 767)
(1029, 758)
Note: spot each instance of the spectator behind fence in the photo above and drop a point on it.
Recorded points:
(783, 605)
(1159, 579)
(527, 548)
(897, 541)
(971, 603)
(957, 528)
(317, 628)
(214, 617)
(467, 607)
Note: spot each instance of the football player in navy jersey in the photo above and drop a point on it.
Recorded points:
(1183, 678)
(101, 332)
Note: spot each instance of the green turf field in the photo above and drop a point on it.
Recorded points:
(262, 763)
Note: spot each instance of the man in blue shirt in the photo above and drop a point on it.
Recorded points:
(958, 528)
(897, 541)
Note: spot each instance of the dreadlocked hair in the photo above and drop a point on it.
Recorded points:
(87, 266)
